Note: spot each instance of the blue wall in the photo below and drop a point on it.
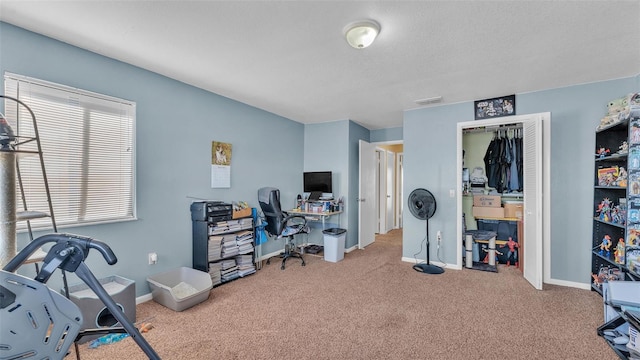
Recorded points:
(325, 149)
(390, 134)
(176, 124)
(430, 158)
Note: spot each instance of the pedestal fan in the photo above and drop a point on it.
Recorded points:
(422, 205)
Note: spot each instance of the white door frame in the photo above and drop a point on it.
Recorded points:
(381, 190)
(389, 191)
(546, 182)
(399, 193)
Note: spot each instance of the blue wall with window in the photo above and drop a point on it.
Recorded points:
(175, 126)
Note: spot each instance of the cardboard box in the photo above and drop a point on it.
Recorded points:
(513, 210)
(488, 212)
(237, 214)
(487, 200)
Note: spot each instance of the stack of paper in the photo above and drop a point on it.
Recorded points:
(246, 223)
(219, 228)
(214, 271)
(229, 246)
(245, 241)
(245, 265)
(229, 270)
(215, 247)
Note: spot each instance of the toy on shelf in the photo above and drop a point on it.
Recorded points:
(602, 152)
(618, 215)
(604, 210)
(606, 274)
(623, 148)
(605, 246)
(512, 254)
(612, 176)
(621, 109)
(621, 180)
(632, 254)
(618, 254)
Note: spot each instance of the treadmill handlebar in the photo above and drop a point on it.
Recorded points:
(83, 242)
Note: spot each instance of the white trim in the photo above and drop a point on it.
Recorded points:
(355, 247)
(144, 298)
(546, 179)
(572, 284)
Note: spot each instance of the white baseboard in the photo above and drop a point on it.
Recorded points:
(351, 249)
(572, 284)
(143, 298)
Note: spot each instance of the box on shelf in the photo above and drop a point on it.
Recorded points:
(243, 213)
(487, 200)
(181, 288)
(513, 210)
(488, 212)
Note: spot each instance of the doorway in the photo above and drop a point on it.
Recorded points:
(373, 182)
(535, 211)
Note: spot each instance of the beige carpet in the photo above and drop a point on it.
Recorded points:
(373, 306)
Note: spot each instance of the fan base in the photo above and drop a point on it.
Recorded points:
(428, 269)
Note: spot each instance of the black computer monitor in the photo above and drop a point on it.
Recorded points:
(316, 183)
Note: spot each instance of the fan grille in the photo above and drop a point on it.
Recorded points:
(422, 204)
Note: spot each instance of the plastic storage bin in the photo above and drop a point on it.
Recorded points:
(334, 244)
(95, 314)
(181, 288)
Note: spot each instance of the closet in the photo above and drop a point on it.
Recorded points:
(492, 188)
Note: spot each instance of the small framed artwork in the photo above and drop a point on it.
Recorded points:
(496, 107)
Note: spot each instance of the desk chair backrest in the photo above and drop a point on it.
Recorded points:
(269, 199)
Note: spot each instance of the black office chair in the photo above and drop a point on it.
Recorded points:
(281, 225)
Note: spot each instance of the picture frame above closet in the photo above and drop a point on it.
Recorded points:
(495, 107)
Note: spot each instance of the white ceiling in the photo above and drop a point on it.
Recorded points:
(290, 57)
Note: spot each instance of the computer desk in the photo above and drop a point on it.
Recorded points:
(314, 216)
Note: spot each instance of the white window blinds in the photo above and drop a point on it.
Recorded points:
(88, 149)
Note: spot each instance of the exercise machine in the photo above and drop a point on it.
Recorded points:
(37, 322)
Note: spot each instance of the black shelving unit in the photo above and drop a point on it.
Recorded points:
(223, 246)
(617, 180)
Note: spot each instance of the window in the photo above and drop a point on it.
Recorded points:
(87, 143)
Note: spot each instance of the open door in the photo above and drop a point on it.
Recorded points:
(532, 162)
(535, 181)
(366, 195)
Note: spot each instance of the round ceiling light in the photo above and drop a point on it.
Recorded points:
(362, 33)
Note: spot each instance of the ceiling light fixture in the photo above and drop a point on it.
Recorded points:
(362, 33)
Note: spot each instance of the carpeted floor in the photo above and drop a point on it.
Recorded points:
(371, 305)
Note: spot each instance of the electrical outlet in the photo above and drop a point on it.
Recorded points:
(439, 235)
(153, 258)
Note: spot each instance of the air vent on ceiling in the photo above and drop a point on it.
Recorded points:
(431, 100)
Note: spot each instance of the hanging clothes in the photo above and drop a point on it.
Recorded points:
(491, 158)
(514, 182)
(503, 162)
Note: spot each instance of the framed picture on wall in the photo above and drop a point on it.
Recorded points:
(496, 107)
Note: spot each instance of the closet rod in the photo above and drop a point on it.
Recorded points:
(493, 128)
